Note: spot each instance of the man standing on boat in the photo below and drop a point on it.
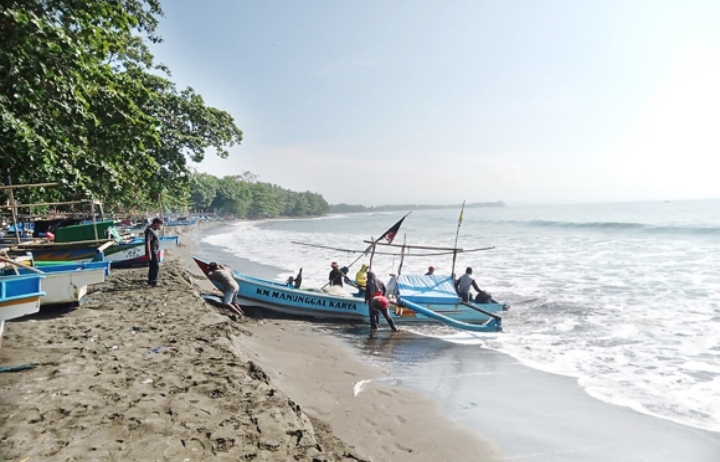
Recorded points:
(152, 250)
(336, 276)
(228, 285)
(465, 283)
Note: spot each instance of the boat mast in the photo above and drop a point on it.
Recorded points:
(402, 255)
(457, 234)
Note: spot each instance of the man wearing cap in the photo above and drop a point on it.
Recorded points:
(336, 276)
(228, 285)
(152, 250)
(431, 271)
(379, 304)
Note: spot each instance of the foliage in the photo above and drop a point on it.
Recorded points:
(245, 197)
(81, 102)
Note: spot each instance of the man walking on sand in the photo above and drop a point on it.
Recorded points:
(152, 250)
(228, 285)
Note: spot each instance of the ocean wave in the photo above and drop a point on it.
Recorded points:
(614, 226)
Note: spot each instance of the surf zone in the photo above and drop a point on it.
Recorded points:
(307, 300)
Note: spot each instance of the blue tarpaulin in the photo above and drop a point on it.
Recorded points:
(425, 289)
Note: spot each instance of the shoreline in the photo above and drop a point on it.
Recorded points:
(140, 373)
(526, 411)
(326, 376)
(159, 374)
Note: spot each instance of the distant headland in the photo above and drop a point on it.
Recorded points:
(350, 208)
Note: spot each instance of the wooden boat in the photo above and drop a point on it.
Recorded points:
(121, 253)
(19, 296)
(132, 253)
(66, 283)
(181, 222)
(286, 299)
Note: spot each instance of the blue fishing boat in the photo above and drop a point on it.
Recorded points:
(131, 253)
(64, 283)
(19, 296)
(428, 301)
(70, 251)
(181, 222)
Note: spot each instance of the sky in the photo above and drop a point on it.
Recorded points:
(528, 102)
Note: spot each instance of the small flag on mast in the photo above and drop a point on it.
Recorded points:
(462, 210)
(390, 234)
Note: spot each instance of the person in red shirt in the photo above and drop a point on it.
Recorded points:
(379, 304)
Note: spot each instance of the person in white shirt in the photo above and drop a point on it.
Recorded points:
(464, 284)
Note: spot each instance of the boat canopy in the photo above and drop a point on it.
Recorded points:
(424, 289)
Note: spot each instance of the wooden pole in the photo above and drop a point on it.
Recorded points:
(14, 263)
(402, 255)
(162, 214)
(457, 234)
(372, 254)
(13, 210)
(21, 186)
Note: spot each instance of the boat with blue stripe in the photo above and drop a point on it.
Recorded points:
(19, 296)
(428, 302)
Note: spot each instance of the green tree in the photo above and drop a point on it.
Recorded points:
(81, 102)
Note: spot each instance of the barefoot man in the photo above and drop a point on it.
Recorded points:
(228, 285)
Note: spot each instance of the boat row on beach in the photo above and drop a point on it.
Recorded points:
(58, 269)
(55, 261)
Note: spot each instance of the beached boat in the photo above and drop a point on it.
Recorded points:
(428, 302)
(181, 222)
(19, 296)
(69, 251)
(77, 243)
(132, 253)
(66, 283)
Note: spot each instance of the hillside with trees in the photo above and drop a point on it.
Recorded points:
(350, 208)
(245, 197)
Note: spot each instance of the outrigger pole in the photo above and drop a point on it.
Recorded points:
(457, 234)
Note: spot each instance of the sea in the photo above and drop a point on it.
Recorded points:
(624, 297)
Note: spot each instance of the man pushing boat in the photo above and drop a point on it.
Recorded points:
(223, 276)
(377, 302)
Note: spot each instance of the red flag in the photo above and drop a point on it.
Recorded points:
(390, 234)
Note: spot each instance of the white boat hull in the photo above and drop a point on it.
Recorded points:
(69, 286)
(19, 308)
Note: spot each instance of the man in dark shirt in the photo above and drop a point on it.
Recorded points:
(152, 250)
(336, 276)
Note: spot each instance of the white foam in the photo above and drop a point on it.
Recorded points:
(635, 319)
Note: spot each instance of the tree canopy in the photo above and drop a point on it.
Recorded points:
(245, 197)
(82, 102)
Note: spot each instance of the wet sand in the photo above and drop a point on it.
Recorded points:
(141, 373)
(527, 414)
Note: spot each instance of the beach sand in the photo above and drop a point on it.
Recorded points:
(528, 414)
(140, 374)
